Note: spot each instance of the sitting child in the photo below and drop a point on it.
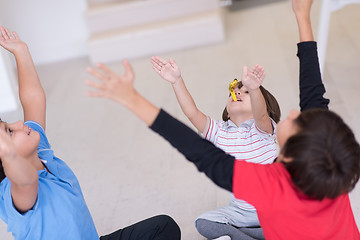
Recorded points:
(40, 197)
(247, 132)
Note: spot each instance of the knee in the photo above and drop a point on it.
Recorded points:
(201, 225)
(169, 225)
(165, 219)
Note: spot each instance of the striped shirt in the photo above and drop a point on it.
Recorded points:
(246, 143)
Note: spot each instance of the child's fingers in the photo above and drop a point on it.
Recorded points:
(129, 72)
(154, 59)
(161, 60)
(252, 76)
(260, 74)
(257, 68)
(259, 71)
(97, 74)
(108, 72)
(254, 67)
(94, 84)
(15, 35)
(3, 33)
(263, 75)
(156, 69)
(172, 62)
(156, 62)
(9, 33)
(95, 94)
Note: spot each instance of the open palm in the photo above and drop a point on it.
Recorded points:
(10, 42)
(112, 86)
(167, 70)
(254, 78)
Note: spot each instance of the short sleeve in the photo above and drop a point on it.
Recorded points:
(15, 221)
(264, 134)
(211, 129)
(255, 182)
(44, 143)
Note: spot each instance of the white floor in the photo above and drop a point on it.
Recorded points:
(128, 173)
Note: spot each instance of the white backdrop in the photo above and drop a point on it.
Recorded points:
(54, 30)
(7, 94)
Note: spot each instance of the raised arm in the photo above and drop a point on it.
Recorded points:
(252, 81)
(31, 93)
(216, 164)
(171, 73)
(311, 86)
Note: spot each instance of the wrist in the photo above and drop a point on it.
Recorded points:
(253, 90)
(142, 108)
(131, 100)
(303, 19)
(177, 81)
(21, 49)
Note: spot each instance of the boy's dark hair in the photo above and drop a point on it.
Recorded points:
(2, 173)
(325, 155)
(272, 105)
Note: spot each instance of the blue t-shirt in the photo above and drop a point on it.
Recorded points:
(60, 211)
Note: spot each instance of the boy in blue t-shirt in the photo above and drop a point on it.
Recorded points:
(40, 197)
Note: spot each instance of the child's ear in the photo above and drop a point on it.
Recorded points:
(281, 158)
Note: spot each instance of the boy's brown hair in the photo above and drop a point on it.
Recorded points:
(272, 105)
(325, 155)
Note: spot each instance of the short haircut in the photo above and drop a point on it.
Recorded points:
(325, 155)
(272, 106)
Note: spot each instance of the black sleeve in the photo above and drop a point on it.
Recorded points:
(214, 162)
(311, 87)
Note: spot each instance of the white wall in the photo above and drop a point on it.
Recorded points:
(54, 30)
(7, 94)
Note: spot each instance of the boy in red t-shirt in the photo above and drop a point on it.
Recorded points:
(304, 195)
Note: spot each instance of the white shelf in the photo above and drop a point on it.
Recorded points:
(138, 28)
(156, 38)
(108, 17)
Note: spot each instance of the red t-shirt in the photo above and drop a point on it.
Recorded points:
(286, 213)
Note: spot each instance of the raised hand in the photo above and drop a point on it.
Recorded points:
(10, 42)
(112, 86)
(167, 70)
(254, 78)
(302, 7)
(302, 10)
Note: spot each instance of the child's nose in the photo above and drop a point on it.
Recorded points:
(18, 124)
